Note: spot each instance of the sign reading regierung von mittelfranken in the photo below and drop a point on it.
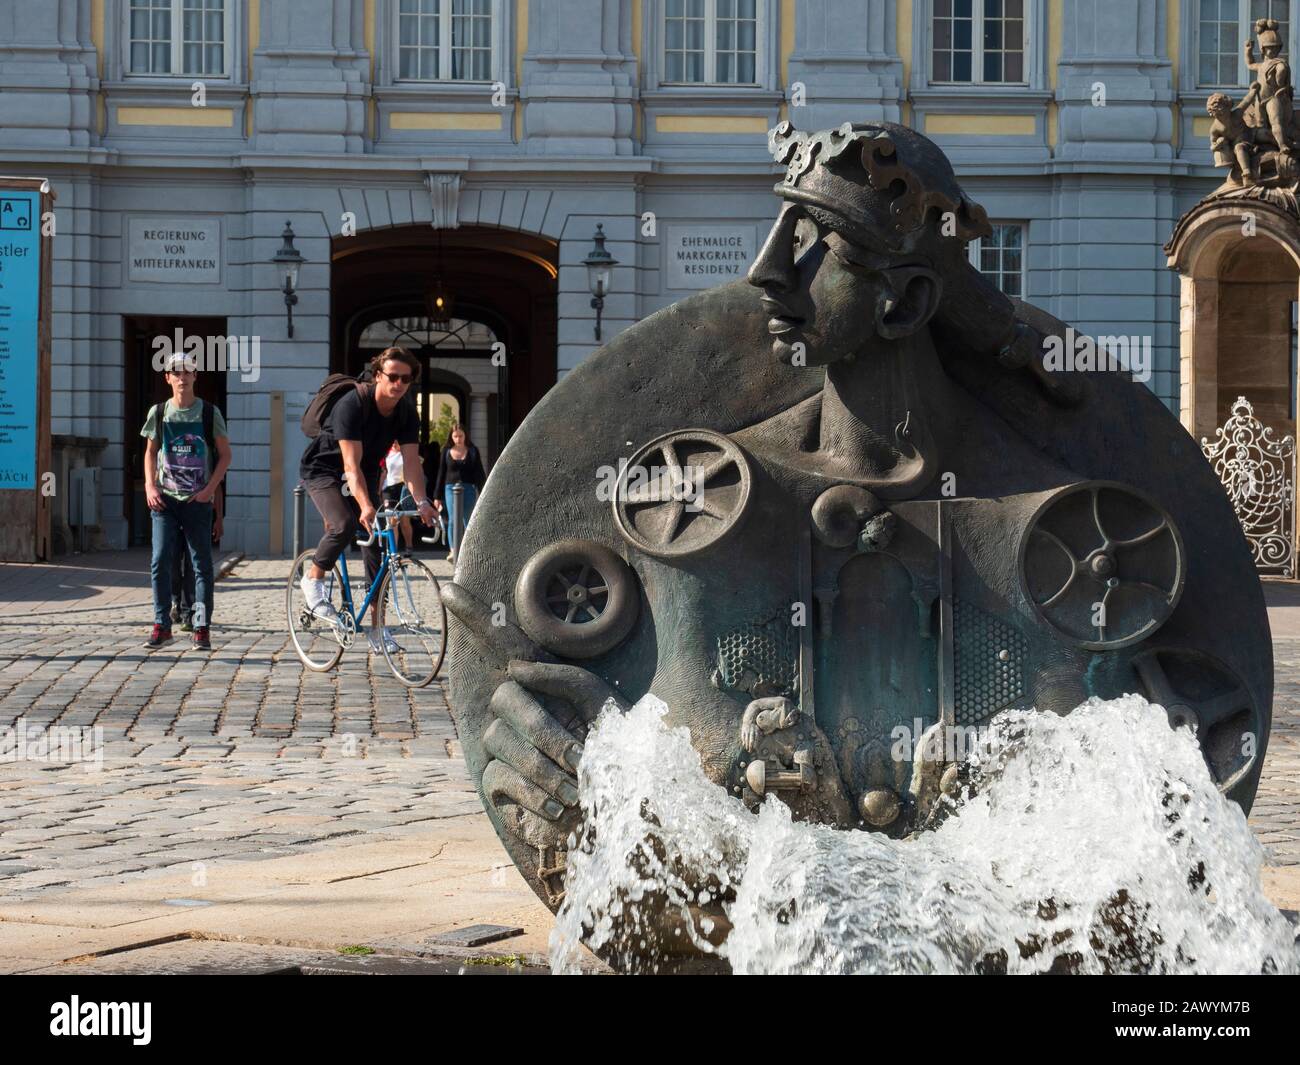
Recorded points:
(25, 204)
(176, 250)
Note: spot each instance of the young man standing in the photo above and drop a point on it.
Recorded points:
(181, 476)
(341, 468)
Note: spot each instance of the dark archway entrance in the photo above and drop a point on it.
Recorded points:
(502, 284)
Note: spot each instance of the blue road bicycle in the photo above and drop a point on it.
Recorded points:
(410, 612)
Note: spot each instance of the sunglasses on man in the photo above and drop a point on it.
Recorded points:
(398, 378)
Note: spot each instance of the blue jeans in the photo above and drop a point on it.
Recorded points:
(181, 525)
(467, 503)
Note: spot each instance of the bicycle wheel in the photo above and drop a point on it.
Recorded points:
(319, 641)
(410, 607)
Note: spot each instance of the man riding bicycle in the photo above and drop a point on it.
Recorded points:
(341, 469)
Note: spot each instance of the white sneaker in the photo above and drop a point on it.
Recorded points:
(313, 591)
(390, 645)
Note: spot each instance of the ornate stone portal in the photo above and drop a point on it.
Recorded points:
(1238, 255)
(838, 498)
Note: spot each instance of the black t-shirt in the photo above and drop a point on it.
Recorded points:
(356, 418)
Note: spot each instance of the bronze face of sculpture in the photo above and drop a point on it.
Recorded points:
(852, 500)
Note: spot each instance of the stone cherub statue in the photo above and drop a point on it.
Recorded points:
(1257, 139)
(1232, 141)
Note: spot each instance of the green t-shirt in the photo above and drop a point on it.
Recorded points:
(184, 465)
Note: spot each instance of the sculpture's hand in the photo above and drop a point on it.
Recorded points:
(765, 716)
(535, 753)
(531, 779)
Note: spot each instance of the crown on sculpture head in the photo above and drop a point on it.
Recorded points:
(890, 184)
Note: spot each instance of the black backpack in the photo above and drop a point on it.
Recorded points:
(209, 425)
(334, 388)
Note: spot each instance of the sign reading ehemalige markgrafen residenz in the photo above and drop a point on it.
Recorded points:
(185, 250)
(704, 256)
(20, 306)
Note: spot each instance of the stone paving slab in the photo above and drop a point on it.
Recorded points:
(313, 809)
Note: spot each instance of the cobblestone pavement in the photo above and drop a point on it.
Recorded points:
(240, 753)
(243, 754)
(1275, 815)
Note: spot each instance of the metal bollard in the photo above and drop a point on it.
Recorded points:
(299, 516)
(458, 512)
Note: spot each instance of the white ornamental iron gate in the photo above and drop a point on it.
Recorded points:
(1258, 473)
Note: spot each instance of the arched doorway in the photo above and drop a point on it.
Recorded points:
(1239, 261)
(492, 355)
(1240, 268)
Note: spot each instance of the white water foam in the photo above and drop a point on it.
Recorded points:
(1093, 842)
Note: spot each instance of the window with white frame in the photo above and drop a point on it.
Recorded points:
(183, 38)
(444, 40)
(711, 42)
(1223, 28)
(977, 42)
(1001, 257)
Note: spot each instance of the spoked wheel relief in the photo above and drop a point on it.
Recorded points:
(682, 493)
(1102, 565)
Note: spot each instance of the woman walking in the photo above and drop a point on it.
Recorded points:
(460, 465)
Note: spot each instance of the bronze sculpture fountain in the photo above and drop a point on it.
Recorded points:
(851, 497)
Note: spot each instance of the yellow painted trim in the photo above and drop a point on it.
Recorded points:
(97, 34)
(368, 37)
(638, 42)
(786, 40)
(254, 39)
(1055, 45)
(981, 125)
(208, 117)
(1173, 27)
(444, 120)
(521, 46)
(903, 30)
(97, 39)
(1201, 125)
(710, 124)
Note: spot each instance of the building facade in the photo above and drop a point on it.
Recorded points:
(468, 149)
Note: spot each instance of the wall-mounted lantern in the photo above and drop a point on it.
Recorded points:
(600, 269)
(289, 259)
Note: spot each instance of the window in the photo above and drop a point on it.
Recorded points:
(444, 40)
(978, 42)
(1223, 28)
(1001, 258)
(185, 38)
(711, 42)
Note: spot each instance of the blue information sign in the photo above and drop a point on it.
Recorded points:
(20, 308)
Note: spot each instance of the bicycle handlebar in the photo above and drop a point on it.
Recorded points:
(388, 514)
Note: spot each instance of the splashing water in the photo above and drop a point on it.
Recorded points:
(1094, 842)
